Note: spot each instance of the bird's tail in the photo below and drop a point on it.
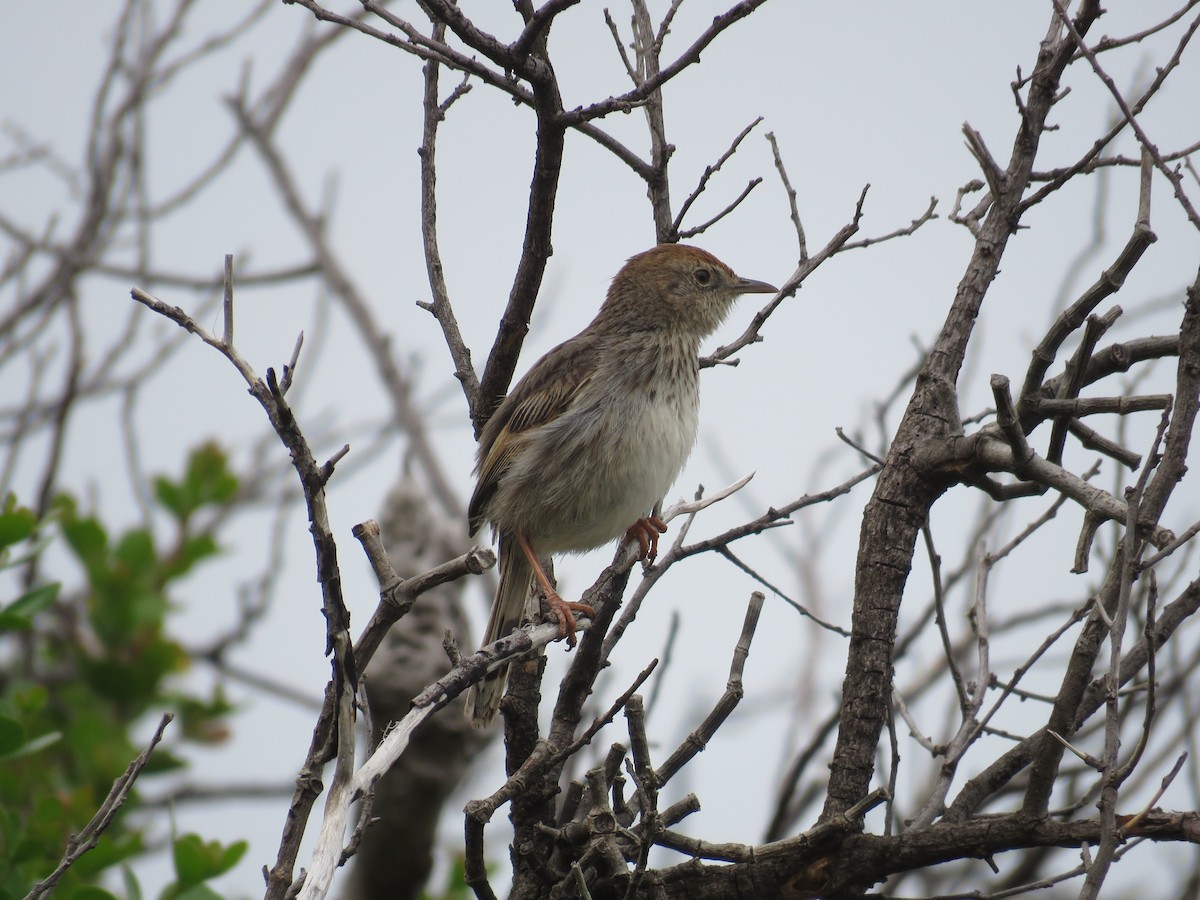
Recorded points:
(508, 609)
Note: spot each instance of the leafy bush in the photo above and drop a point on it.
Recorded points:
(81, 672)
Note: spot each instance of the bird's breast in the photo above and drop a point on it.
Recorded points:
(590, 474)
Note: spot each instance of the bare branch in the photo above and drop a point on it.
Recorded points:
(699, 738)
(708, 173)
(791, 196)
(91, 833)
(435, 112)
(1172, 175)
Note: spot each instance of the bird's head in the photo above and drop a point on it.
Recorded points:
(674, 286)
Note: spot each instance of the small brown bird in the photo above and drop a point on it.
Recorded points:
(595, 434)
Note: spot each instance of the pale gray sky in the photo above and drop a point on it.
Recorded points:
(855, 92)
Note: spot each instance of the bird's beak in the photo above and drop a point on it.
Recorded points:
(750, 286)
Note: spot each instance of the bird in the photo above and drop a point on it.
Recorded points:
(590, 440)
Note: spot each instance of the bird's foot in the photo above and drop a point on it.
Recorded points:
(563, 611)
(646, 531)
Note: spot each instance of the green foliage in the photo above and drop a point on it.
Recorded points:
(198, 861)
(91, 892)
(16, 525)
(18, 615)
(84, 668)
(207, 482)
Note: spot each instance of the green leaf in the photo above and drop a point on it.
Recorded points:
(208, 476)
(136, 551)
(88, 539)
(206, 481)
(29, 698)
(128, 614)
(194, 550)
(16, 525)
(133, 890)
(171, 496)
(204, 719)
(12, 735)
(135, 681)
(33, 602)
(197, 860)
(231, 856)
(90, 892)
(12, 622)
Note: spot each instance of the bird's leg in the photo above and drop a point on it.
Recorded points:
(646, 531)
(561, 608)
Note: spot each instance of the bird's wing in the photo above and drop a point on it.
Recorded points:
(544, 394)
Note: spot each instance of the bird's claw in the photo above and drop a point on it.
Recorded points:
(563, 611)
(646, 531)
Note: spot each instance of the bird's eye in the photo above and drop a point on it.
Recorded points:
(702, 276)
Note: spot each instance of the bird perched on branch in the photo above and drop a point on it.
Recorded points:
(590, 440)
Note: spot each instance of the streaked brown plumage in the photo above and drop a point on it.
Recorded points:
(595, 434)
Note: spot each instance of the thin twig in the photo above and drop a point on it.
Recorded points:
(90, 835)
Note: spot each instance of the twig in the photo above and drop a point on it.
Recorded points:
(647, 782)
(708, 173)
(396, 594)
(791, 196)
(1090, 159)
(313, 478)
(778, 592)
(772, 518)
(434, 114)
(89, 836)
(734, 204)
(1132, 824)
(698, 739)
(1073, 377)
(397, 382)
(688, 57)
(939, 616)
(998, 456)
(1172, 175)
(1109, 282)
(1032, 527)
(927, 216)
(806, 267)
(1166, 551)
(327, 852)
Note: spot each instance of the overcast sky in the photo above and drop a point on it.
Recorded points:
(855, 92)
